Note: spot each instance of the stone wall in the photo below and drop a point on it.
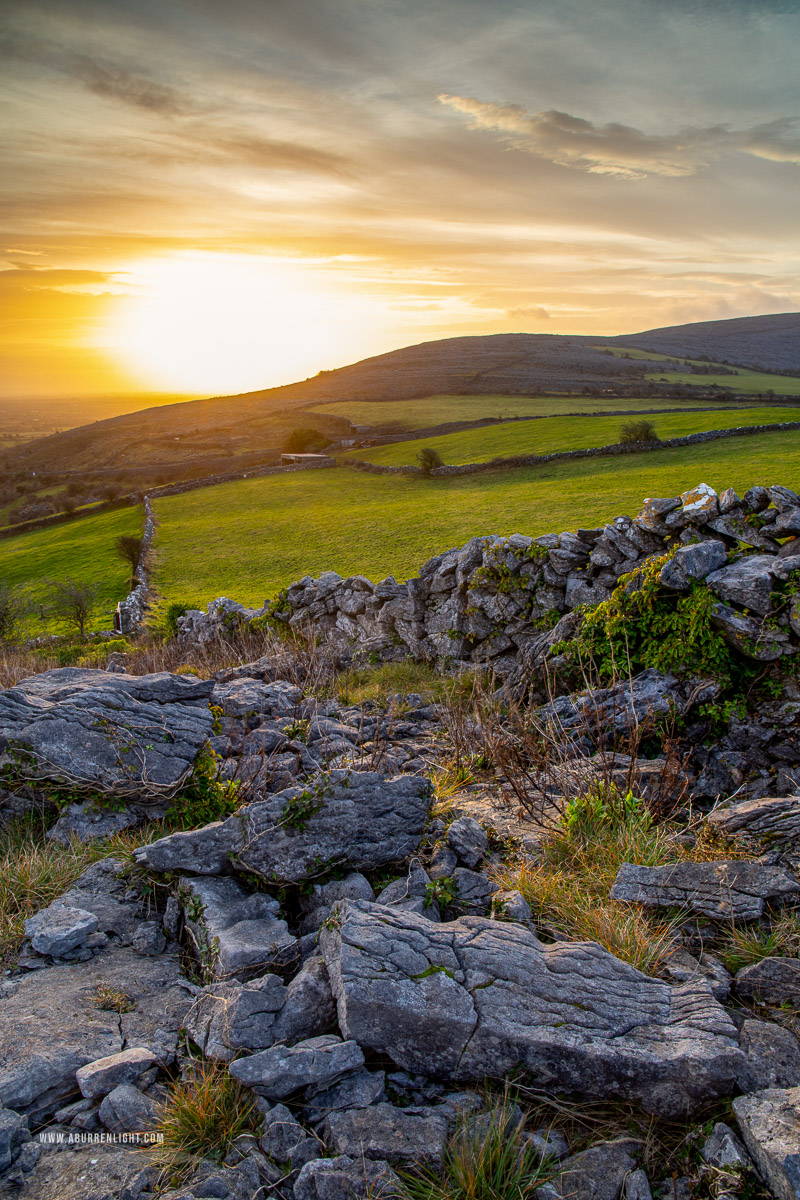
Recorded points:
(130, 611)
(496, 599)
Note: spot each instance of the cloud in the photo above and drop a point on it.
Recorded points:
(623, 150)
(116, 83)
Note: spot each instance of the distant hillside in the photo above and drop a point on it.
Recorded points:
(502, 364)
(770, 343)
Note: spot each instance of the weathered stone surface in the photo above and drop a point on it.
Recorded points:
(104, 1074)
(86, 822)
(736, 890)
(56, 930)
(354, 818)
(14, 1133)
(773, 1056)
(621, 707)
(773, 820)
(282, 1135)
(50, 1025)
(473, 890)
(473, 998)
(467, 838)
(281, 1070)
(228, 1017)
(127, 1110)
(747, 582)
(771, 981)
(358, 1090)
(245, 696)
(236, 933)
(83, 1172)
(382, 1131)
(110, 732)
(636, 1186)
(769, 1122)
(690, 563)
(511, 906)
(309, 1009)
(700, 503)
(682, 967)
(346, 1178)
(595, 1174)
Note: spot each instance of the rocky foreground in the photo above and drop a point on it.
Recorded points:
(338, 943)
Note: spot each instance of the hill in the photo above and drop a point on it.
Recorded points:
(505, 364)
(769, 343)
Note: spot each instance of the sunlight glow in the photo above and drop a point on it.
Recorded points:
(214, 323)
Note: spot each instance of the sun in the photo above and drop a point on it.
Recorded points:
(213, 323)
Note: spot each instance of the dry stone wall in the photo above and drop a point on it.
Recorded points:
(496, 599)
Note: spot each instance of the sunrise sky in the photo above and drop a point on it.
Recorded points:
(206, 197)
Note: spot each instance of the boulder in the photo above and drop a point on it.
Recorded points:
(87, 822)
(57, 929)
(747, 582)
(474, 998)
(769, 1122)
(467, 838)
(282, 1070)
(773, 981)
(773, 1055)
(691, 563)
(342, 818)
(595, 1174)
(723, 1150)
(399, 1136)
(358, 1090)
(14, 1134)
(126, 1110)
(737, 890)
(104, 1074)
(346, 1178)
(125, 734)
(235, 933)
(228, 1017)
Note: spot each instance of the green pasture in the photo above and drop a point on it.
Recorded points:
(742, 381)
(83, 550)
(562, 433)
(249, 539)
(437, 410)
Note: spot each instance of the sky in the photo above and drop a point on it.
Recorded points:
(206, 197)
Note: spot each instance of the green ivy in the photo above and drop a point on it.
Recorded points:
(205, 797)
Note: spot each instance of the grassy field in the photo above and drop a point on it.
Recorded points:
(250, 538)
(436, 410)
(562, 433)
(82, 550)
(742, 381)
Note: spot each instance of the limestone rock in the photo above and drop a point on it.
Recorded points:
(104, 1074)
(723, 1149)
(473, 998)
(358, 1090)
(382, 1131)
(690, 563)
(236, 933)
(282, 1070)
(737, 890)
(227, 1017)
(346, 1178)
(773, 820)
(769, 1122)
(14, 1134)
(114, 733)
(346, 818)
(747, 582)
(467, 838)
(595, 1174)
(771, 981)
(127, 1110)
(56, 930)
(773, 1056)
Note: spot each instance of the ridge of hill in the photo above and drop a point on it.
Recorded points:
(509, 364)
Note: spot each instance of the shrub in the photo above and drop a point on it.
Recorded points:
(11, 609)
(305, 440)
(638, 431)
(129, 549)
(429, 459)
(73, 602)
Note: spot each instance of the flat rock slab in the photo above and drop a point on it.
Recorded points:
(623, 706)
(737, 890)
(342, 818)
(50, 1025)
(81, 1172)
(769, 1122)
(595, 1174)
(774, 820)
(106, 731)
(317, 1063)
(474, 998)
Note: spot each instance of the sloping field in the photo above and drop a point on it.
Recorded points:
(437, 410)
(562, 433)
(743, 381)
(82, 550)
(251, 538)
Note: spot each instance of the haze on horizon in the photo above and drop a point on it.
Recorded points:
(204, 198)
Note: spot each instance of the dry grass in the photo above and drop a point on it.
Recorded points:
(35, 871)
(202, 1117)
(739, 947)
(487, 1158)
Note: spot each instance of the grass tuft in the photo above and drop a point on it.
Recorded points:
(488, 1158)
(203, 1115)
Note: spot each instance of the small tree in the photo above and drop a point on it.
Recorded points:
(129, 549)
(73, 602)
(638, 431)
(305, 440)
(429, 459)
(11, 609)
